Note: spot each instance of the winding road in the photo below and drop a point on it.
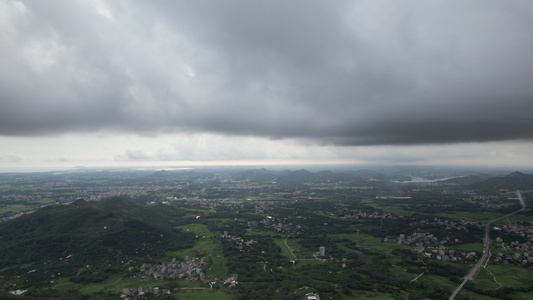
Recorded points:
(483, 259)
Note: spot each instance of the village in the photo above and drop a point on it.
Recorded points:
(430, 246)
(189, 269)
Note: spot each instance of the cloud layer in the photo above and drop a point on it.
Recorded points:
(332, 72)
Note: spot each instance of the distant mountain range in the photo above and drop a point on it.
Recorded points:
(302, 176)
(284, 176)
(514, 181)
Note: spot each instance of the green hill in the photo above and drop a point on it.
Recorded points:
(513, 181)
(87, 241)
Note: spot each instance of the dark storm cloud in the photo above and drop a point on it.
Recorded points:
(339, 72)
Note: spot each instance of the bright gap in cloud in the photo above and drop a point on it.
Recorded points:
(91, 150)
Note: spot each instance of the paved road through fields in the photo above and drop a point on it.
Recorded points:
(482, 260)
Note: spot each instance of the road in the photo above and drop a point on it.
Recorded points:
(475, 269)
(287, 245)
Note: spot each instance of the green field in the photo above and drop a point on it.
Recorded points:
(481, 217)
(299, 251)
(256, 232)
(485, 281)
(284, 251)
(46, 201)
(15, 208)
(468, 247)
(434, 280)
(512, 276)
(198, 229)
(519, 217)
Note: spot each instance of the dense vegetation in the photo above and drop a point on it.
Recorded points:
(259, 232)
(86, 241)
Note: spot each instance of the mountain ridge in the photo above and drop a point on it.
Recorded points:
(513, 181)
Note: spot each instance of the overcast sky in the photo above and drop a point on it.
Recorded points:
(98, 83)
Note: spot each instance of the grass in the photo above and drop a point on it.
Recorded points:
(218, 268)
(522, 296)
(401, 272)
(284, 251)
(512, 276)
(471, 295)
(15, 208)
(469, 247)
(366, 295)
(299, 251)
(485, 281)
(46, 201)
(114, 284)
(256, 232)
(21, 266)
(196, 210)
(513, 220)
(481, 217)
(371, 242)
(202, 294)
(198, 229)
(117, 284)
(434, 280)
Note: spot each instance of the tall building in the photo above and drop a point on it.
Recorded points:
(322, 251)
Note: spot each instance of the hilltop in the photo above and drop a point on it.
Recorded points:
(514, 181)
(86, 241)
